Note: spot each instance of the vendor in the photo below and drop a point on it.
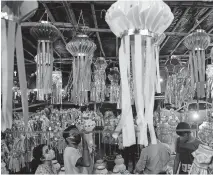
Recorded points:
(186, 144)
(74, 161)
(154, 158)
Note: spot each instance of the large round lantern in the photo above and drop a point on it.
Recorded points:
(140, 25)
(82, 49)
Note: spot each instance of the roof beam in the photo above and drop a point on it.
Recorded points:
(96, 26)
(70, 14)
(68, 26)
(53, 21)
(195, 26)
(198, 4)
(176, 26)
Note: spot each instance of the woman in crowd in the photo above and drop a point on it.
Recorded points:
(42, 162)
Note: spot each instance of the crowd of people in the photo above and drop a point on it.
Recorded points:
(153, 159)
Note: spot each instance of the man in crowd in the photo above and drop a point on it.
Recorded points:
(75, 162)
(186, 144)
(154, 158)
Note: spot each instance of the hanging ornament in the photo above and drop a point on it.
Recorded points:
(99, 88)
(140, 25)
(197, 42)
(173, 65)
(209, 73)
(46, 34)
(114, 77)
(82, 49)
(178, 88)
(56, 87)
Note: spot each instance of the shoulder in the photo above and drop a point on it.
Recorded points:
(40, 170)
(197, 142)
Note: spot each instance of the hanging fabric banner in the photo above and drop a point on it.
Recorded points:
(12, 14)
(8, 38)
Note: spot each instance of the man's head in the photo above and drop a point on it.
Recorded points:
(184, 135)
(72, 135)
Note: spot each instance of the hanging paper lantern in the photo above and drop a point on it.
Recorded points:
(209, 72)
(99, 89)
(205, 133)
(46, 34)
(173, 65)
(197, 42)
(82, 48)
(56, 87)
(178, 88)
(114, 77)
(142, 23)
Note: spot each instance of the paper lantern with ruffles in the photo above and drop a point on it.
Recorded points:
(46, 34)
(140, 25)
(197, 42)
(82, 49)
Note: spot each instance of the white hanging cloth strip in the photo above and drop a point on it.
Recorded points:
(7, 55)
(127, 123)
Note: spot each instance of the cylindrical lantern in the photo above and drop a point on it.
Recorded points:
(197, 42)
(178, 88)
(140, 25)
(46, 34)
(98, 90)
(82, 48)
(114, 77)
(56, 87)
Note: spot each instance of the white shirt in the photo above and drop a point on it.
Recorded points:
(71, 156)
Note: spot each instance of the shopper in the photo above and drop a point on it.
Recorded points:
(75, 162)
(42, 162)
(185, 145)
(154, 158)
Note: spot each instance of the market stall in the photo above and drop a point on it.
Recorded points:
(115, 70)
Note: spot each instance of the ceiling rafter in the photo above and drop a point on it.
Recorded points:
(96, 26)
(29, 42)
(195, 26)
(68, 26)
(29, 53)
(71, 14)
(198, 4)
(52, 19)
(176, 26)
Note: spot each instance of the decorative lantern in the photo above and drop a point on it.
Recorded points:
(209, 72)
(56, 87)
(82, 48)
(46, 34)
(205, 133)
(197, 42)
(140, 25)
(178, 88)
(173, 65)
(99, 88)
(114, 77)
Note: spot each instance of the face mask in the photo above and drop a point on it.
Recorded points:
(50, 155)
(76, 139)
(184, 139)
